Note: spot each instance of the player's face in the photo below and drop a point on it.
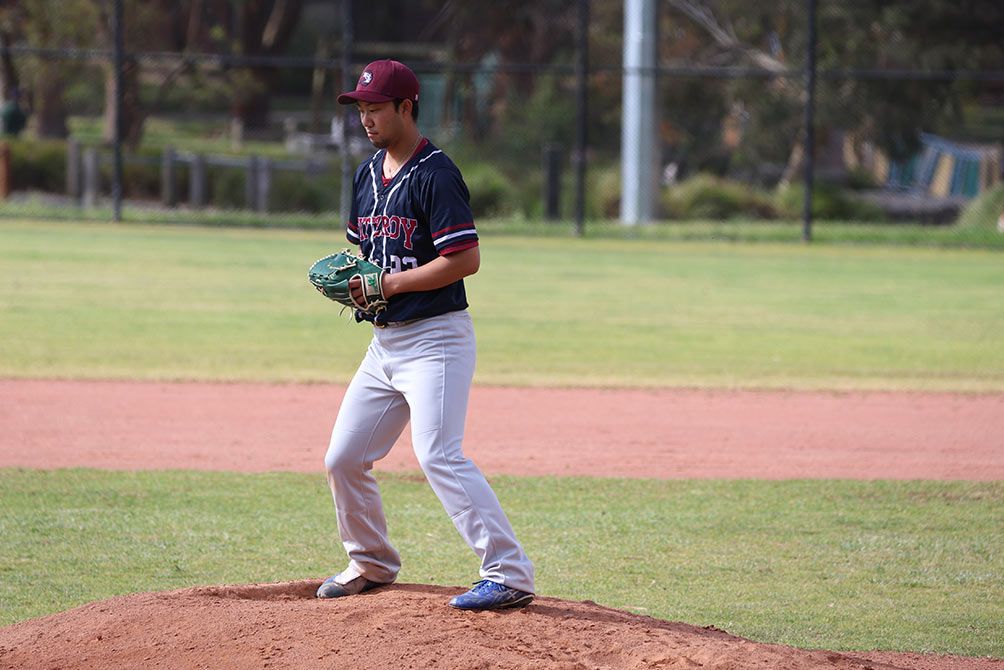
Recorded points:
(384, 125)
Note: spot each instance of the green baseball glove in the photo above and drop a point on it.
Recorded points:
(331, 275)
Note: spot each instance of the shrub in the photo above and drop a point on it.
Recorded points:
(299, 192)
(38, 165)
(492, 194)
(708, 197)
(829, 202)
(603, 192)
(984, 211)
(227, 189)
(141, 175)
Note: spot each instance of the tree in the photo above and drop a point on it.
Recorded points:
(855, 35)
(144, 31)
(8, 73)
(53, 24)
(264, 29)
(507, 33)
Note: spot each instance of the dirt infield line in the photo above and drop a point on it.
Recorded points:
(665, 433)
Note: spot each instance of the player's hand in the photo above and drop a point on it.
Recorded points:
(356, 289)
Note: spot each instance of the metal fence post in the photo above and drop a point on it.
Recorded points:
(74, 170)
(168, 182)
(5, 175)
(251, 183)
(92, 177)
(345, 194)
(810, 139)
(197, 182)
(119, 58)
(581, 116)
(264, 185)
(551, 159)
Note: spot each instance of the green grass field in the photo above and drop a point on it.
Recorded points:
(821, 564)
(157, 302)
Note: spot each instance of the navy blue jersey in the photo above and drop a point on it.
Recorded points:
(421, 213)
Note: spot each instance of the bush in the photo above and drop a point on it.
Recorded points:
(38, 165)
(227, 189)
(829, 203)
(985, 211)
(708, 197)
(299, 192)
(141, 175)
(603, 193)
(492, 194)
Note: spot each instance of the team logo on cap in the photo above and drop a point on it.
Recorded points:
(366, 78)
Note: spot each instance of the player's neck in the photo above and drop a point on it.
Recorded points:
(399, 153)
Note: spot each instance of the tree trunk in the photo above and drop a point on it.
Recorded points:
(795, 161)
(265, 31)
(254, 101)
(49, 108)
(133, 116)
(8, 75)
(317, 87)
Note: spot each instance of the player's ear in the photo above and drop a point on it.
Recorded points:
(405, 107)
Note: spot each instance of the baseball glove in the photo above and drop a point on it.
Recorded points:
(331, 276)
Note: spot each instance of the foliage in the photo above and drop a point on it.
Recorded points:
(246, 28)
(85, 94)
(830, 202)
(768, 119)
(546, 117)
(603, 197)
(906, 35)
(742, 127)
(985, 212)
(492, 194)
(37, 164)
(691, 126)
(300, 192)
(53, 24)
(856, 35)
(709, 197)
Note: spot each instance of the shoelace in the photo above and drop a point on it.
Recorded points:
(486, 586)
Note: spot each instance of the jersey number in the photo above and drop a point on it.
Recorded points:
(397, 264)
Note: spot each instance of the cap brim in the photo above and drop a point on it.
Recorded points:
(363, 96)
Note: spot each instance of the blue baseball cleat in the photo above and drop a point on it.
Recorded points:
(489, 595)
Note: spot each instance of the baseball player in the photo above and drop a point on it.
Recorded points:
(410, 215)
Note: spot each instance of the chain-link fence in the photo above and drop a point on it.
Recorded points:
(530, 102)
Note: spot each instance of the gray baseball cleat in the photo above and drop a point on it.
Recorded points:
(332, 589)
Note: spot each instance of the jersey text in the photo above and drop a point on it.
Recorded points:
(393, 227)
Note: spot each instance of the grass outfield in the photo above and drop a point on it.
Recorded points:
(842, 565)
(899, 566)
(156, 302)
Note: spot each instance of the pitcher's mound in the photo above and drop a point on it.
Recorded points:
(399, 626)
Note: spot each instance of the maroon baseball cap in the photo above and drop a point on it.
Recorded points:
(383, 81)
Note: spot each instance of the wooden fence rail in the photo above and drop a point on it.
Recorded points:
(83, 174)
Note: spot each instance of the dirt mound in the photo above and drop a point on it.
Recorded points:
(400, 626)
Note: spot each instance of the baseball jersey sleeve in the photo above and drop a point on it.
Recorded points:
(352, 225)
(447, 203)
